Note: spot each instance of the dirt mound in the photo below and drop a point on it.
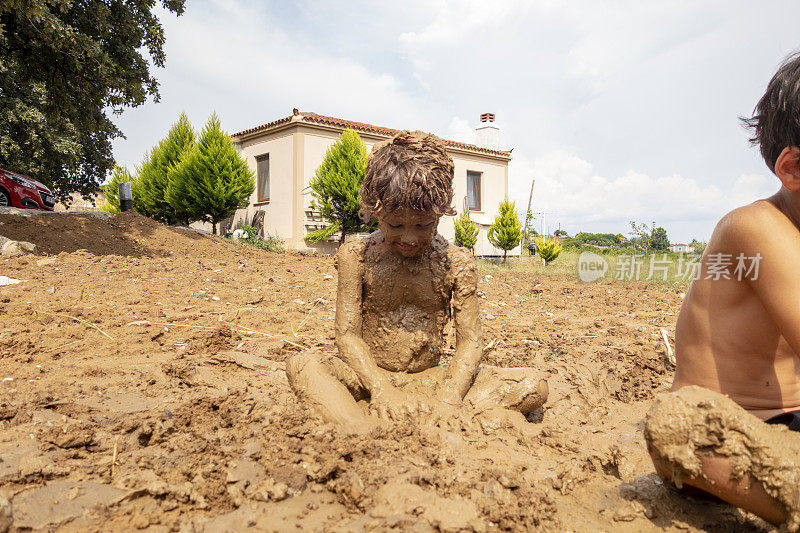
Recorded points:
(142, 378)
(126, 234)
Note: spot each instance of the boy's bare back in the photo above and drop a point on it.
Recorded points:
(741, 337)
(738, 340)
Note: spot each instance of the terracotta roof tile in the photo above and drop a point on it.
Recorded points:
(263, 126)
(362, 127)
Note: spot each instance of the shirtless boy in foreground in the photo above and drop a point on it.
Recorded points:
(397, 289)
(738, 341)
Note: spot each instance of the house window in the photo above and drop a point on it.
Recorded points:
(262, 164)
(474, 190)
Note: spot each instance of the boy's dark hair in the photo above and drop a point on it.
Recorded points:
(411, 170)
(776, 118)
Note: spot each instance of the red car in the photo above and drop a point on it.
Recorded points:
(21, 191)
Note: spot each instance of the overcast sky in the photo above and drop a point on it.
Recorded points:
(621, 110)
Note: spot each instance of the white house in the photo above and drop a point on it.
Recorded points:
(681, 248)
(285, 153)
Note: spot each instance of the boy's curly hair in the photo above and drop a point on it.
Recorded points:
(411, 170)
(776, 119)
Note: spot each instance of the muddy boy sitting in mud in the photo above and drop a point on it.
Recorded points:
(738, 341)
(397, 289)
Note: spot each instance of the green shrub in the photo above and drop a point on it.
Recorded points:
(157, 170)
(506, 230)
(466, 231)
(212, 180)
(271, 243)
(547, 249)
(699, 247)
(335, 188)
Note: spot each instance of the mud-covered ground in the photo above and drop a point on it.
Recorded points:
(143, 387)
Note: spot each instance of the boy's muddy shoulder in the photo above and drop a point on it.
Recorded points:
(462, 262)
(440, 247)
(461, 256)
(354, 247)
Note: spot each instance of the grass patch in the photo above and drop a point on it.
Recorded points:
(270, 243)
(670, 269)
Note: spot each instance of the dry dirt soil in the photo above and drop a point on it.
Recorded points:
(143, 387)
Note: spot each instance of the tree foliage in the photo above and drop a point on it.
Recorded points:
(506, 230)
(158, 171)
(63, 67)
(649, 238)
(212, 180)
(466, 231)
(699, 246)
(641, 235)
(547, 249)
(111, 190)
(335, 187)
(598, 239)
(658, 240)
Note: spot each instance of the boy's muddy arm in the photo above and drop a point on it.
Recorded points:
(466, 316)
(352, 348)
(355, 352)
(387, 401)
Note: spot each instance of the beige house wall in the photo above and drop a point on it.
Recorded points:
(297, 149)
(277, 211)
(494, 188)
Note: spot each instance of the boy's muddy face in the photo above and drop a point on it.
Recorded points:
(408, 232)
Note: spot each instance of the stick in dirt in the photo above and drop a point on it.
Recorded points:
(78, 320)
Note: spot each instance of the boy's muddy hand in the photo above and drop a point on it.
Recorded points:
(446, 415)
(447, 407)
(391, 403)
(448, 395)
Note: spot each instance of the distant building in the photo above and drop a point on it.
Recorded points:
(681, 248)
(285, 153)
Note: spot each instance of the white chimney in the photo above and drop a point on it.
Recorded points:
(487, 133)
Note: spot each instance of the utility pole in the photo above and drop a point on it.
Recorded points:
(527, 214)
(544, 219)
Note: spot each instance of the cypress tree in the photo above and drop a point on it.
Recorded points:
(335, 187)
(213, 180)
(157, 170)
(466, 231)
(111, 189)
(506, 230)
(548, 250)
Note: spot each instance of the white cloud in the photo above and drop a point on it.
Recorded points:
(233, 57)
(457, 26)
(459, 129)
(456, 20)
(258, 60)
(572, 194)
